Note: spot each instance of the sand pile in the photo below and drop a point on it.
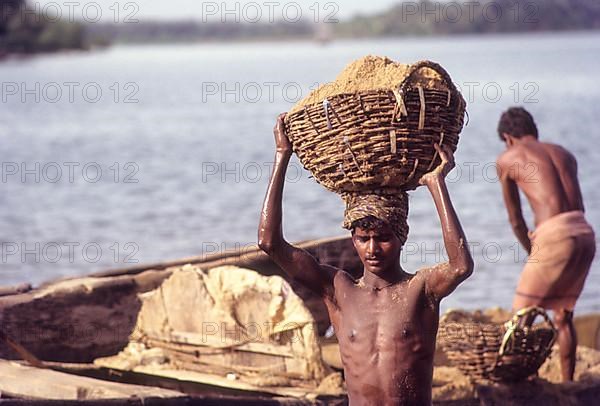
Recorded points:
(588, 365)
(449, 384)
(370, 73)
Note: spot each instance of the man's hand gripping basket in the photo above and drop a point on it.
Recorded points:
(489, 351)
(382, 138)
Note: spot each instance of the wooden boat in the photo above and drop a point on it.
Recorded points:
(69, 323)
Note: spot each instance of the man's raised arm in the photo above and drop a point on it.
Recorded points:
(296, 262)
(443, 279)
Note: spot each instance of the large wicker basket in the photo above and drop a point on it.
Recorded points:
(381, 138)
(507, 352)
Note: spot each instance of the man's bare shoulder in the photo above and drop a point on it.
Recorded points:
(508, 163)
(560, 152)
(508, 159)
(420, 278)
(342, 278)
(428, 271)
(343, 282)
(509, 156)
(431, 273)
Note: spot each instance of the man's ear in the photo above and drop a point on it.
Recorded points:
(508, 139)
(352, 236)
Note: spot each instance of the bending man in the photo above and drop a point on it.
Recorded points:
(562, 246)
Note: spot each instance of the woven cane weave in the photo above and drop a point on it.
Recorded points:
(508, 352)
(380, 138)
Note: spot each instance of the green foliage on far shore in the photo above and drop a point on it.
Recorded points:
(427, 17)
(408, 18)
(25, 32)
(28, 32)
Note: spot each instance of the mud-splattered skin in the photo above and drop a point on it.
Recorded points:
(387, 339)
(386, 322)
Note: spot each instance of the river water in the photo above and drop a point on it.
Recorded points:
(148, 153)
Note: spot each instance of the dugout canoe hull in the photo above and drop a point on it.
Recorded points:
(70, 322)
(83, 318)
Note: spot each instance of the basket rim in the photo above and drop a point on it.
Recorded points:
(298, 110)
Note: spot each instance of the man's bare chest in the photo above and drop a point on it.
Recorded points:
(381, 318)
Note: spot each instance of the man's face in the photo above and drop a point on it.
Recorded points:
(379, 249)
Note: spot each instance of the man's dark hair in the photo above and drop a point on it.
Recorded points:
(368, 223)
(517, 122)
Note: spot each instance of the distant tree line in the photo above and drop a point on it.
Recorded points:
(191, 31)
(23, 31)
(419, 17)
(28, 32)
(427, 17)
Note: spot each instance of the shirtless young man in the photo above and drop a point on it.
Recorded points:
(562, 246)
(386, 322)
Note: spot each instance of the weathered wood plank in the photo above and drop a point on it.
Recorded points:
(15, 290)
(191, 342)
(24, 381)
(187, 401)
(244, 256)
(214, 380)
(80, 319)
(111, 402)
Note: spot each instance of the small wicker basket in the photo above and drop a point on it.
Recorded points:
(378, 139)
(486, 351)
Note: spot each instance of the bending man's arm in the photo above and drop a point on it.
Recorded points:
(296, 262)
(443, 279)
(512, 201)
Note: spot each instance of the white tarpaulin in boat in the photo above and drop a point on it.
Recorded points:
(230, 321)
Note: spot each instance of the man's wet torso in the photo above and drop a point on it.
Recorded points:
(387, 340)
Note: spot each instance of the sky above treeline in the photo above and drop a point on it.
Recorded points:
(147, 10)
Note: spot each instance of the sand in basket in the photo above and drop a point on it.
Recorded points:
(370, 73)
(374, 127)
